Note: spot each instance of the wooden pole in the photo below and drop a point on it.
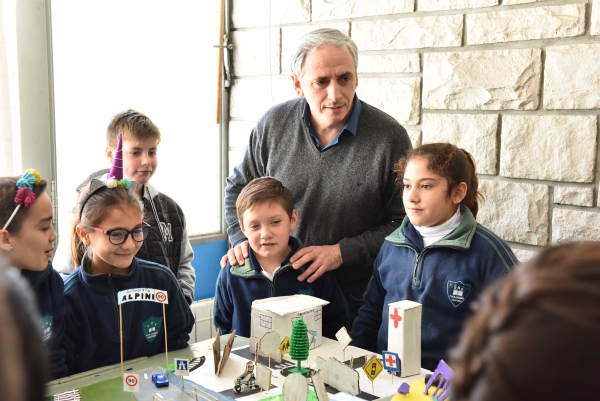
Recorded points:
(220, 61)
(121, 331)
(166, 338)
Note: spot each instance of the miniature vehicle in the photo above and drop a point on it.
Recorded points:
(160, 380)
(245, 380)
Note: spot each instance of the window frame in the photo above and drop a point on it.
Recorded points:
(41, 74)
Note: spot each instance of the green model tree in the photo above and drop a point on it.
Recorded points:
(299, 345)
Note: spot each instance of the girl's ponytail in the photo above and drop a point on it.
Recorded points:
(471, 199)
(77, 245)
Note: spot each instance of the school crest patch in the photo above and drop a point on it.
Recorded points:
(308, 291)
(151, 327)
(47, 321)
(458, 292)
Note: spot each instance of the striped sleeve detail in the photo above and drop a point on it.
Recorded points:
(502, 249)
(70, 282)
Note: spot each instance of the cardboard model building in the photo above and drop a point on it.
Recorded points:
(404, 335)
(278, 314)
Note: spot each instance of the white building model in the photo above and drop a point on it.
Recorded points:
(278, 314)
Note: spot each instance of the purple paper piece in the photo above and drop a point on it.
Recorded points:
(404, 388)
(116, 171)
(446, 375)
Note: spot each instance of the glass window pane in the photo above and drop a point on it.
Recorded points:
(155, 57)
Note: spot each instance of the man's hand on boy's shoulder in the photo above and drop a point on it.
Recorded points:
(235, 255)
(321, 258)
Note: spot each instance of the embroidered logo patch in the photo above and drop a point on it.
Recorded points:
(458, 292)
(47, 327)
(308, 291)
(151, 327)
(166, 230)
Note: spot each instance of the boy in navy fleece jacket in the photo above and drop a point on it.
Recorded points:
(266, 214)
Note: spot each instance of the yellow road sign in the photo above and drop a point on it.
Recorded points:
(373, 368)
(284, 347)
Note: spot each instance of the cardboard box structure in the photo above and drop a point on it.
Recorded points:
(278, 314)
(404, 335)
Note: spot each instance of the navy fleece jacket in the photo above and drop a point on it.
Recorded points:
(92, 337)
(239, 286)
(445, 277)
(48, 288)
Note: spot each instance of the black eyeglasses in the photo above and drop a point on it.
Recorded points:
(118, 236)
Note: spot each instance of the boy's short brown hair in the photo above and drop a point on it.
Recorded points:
(261, 190)
(133, 125)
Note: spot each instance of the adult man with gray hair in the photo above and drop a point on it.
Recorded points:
(335, 153)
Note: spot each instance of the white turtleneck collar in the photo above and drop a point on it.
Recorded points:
(433, 234)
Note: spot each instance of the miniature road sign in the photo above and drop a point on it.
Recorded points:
(284, 347)
(182, 367)
(391, 361)
(148, 295)
(131, 383)
(344, 339)
(372, 369)
(162, 297)
(269, 343)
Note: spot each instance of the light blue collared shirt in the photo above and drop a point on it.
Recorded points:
(351, 125)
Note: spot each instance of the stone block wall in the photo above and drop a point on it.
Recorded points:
(515, 82)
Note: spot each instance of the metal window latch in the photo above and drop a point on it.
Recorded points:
(227, 48)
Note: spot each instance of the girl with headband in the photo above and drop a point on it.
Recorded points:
(26, 241)
(107, 233)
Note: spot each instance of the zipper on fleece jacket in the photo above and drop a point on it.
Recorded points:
(114, 298)
(419, 260)
(287, 266)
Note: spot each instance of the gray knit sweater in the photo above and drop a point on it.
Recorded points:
(344, 195)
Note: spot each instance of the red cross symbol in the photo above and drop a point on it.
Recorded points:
(396, 318)
(390, 361)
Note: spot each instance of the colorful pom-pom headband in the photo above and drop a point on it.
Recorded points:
(25, 195)
(115, 177)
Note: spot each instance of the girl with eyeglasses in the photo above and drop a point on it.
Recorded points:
(26, 243)
(107, 233)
